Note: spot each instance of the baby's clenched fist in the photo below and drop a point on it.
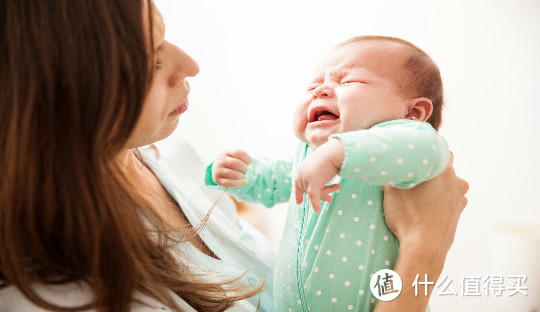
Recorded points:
(229, 169)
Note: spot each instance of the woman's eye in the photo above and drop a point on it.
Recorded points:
(158, 65)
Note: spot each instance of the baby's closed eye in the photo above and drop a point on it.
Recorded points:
(312, 87)
(352, 80)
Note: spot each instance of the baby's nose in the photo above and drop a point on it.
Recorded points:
(323, 91)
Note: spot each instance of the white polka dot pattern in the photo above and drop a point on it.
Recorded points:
(338, 249)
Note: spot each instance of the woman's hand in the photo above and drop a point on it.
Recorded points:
(427, 213)
(424, 219)
(229, 169)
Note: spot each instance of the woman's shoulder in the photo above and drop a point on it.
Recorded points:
(174, 160)
(174, 148)
(75, 295)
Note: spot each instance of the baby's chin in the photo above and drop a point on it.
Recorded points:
(316, 140)
(315, 137)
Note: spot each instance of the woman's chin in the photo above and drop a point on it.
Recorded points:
(142, 138)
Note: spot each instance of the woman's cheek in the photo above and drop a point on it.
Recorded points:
(157, 99)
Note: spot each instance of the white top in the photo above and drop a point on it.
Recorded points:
(239, 245)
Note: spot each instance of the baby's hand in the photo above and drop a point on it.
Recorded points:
(228, 169)
(317, 170)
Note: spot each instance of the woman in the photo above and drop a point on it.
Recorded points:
(88, 221)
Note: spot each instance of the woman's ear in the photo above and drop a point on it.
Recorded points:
(420, 109)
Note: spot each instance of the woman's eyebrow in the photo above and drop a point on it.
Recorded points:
(161, 33)
(159, 29)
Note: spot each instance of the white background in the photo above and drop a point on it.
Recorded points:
(256, 58)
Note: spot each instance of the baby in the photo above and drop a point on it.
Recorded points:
(368, 119)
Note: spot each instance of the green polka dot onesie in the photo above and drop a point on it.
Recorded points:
(325, 260)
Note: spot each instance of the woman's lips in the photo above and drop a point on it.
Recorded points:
(181, 109)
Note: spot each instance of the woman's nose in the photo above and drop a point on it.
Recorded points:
(323, 91)
(186, 67)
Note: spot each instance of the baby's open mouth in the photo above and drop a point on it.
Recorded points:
(321, 115)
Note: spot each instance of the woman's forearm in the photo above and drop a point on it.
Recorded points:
(413, 262)
(424, 219)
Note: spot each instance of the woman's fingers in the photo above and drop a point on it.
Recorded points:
(464, 186)
(463, 204)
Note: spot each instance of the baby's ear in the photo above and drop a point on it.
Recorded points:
(420, 109)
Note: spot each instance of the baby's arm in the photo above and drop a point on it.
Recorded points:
(253, 180)
(317, 170)
(401, 153)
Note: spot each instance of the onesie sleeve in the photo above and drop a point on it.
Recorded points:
(269, 182)
(401, 153)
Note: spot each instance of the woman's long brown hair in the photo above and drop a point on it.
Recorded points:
(73, 76)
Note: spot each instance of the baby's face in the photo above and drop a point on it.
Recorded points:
(353, 88)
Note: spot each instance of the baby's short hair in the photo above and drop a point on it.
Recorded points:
(420, 76)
